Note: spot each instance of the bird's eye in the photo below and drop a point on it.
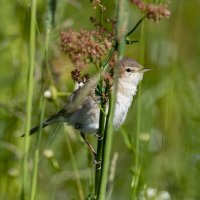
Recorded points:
(128, 70)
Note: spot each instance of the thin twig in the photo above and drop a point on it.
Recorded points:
(136, 26)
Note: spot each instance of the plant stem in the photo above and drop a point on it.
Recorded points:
(136, 26)
(49, 22)
(108, 133)
(105, 63)
(30, 86)
(49, 25)
(78, 181)
(137, 168)
(107, 143)
(36, 152)
(100, 142)
(101, 127)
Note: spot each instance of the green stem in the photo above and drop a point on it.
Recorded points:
(108, 133)
(36, 152)
(105, 63)
(49, 24)
(137, 167)
(107, 143)
(78, 181)
(30, 84)
(101, 128)
(136, 26)
(100, 142)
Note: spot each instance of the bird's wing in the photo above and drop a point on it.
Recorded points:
(81, 97)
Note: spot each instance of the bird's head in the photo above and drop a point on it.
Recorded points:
(130, 72)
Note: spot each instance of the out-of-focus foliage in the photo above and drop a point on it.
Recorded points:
(170, 115)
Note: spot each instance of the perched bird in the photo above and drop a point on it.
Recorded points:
(82, 110)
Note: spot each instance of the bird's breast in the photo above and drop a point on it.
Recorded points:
(123, 103)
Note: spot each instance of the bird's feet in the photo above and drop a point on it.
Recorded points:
(97, 163)
(99, 136)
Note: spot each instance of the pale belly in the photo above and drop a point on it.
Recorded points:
(121, 110)
(87, 120)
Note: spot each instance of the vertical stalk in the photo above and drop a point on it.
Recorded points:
(100, 142)
(49, 23)
(107, 143)
(102, 120)
(108, 133)
(30, 84)
(36, 152)
(136, 175)
(78, 181)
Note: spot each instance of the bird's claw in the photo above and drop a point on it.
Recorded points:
(97, 163)
(99, 136)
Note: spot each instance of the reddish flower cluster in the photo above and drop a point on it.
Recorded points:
(76, 76)
(86, 46)
(153, 11)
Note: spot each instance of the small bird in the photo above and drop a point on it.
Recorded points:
(82, 110)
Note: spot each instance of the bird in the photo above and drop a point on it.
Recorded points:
(82, 110)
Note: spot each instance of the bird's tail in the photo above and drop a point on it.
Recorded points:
(52, 119)
(36, 128)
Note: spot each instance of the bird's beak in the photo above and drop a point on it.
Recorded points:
(145, 70)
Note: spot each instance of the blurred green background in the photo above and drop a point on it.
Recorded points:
(169, 154)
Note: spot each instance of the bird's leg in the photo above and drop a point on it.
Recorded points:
(99, 136)
(90, 146)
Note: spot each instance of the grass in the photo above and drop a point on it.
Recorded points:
(122, 14)
(166, 130)
(37, 152)
(30, 84)
(136, 145)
